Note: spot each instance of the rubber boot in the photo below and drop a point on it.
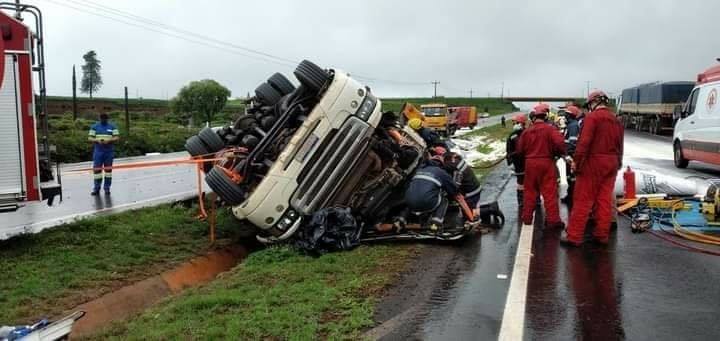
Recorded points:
(490, 214)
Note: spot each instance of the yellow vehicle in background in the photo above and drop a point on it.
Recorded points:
(437, 118)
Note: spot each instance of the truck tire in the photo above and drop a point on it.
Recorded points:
(246, 122)
(211, 139)
(267, 95)
(311, 75)
(225, 188)
(281, 83)
(195, 147)
(678, 158)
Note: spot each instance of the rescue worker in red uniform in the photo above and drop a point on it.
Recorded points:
(598, 157)
(539, 145)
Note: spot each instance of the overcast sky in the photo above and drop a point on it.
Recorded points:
(533, 47)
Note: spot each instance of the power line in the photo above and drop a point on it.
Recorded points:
(162, 28)
(131, 16)
(170, 34)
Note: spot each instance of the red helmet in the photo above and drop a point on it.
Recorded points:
(541, 109)
(573, 110)
(596, 95)
(520, 118)
(438, 150)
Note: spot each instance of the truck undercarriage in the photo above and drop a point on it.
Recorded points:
(299, 150)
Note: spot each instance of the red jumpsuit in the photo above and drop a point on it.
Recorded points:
(598, 157)
(539, 145)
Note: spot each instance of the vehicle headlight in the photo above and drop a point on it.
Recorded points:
(367, 107)
(288, 219)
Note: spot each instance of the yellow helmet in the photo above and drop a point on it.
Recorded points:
(415, 123)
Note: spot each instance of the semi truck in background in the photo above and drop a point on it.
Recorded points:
(464, 117)
(26, 169)
(653, 107)
(697, 133)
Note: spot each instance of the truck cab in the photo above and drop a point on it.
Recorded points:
(436, 117)
(298, 150)
(697, 134)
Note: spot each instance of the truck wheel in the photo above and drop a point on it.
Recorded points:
(266, 94)
(246, 122)
(221, 184)
(212, 140)
(680, 160)
(281, 84)
(195, 147)
(311, 75)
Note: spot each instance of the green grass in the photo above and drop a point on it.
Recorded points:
(276, 293)
(495, 132)
(492, 133)
(495, 106)
(46, 273)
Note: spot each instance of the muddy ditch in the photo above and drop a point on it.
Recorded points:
(132, 299)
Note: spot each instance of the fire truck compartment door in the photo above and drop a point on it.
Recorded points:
(11, 165)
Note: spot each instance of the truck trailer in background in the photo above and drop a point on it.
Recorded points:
(465, 117)
(653, 107)
(26, 170)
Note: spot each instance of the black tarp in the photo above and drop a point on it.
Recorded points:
(330, 229)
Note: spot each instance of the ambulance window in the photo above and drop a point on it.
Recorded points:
(692, 101)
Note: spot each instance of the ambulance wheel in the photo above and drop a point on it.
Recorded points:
(212, 140)
(311, 75)
(281, 84)
(195, 147)
(266, 94)
(224, 187)
(680, 160)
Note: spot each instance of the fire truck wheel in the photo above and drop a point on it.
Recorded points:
(267, 95)
(195, 147)
(212, 140)
(221, 184)
(311, 75)
(281, 84)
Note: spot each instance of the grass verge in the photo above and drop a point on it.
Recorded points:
(277, 293)
(46, 273)
(494, 133)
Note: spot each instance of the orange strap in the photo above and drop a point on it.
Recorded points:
(466, 209)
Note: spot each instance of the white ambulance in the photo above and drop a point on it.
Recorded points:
(697, 133)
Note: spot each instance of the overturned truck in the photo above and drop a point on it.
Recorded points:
(323, 144)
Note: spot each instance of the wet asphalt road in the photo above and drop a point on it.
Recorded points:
(133, 188)
(638, 288)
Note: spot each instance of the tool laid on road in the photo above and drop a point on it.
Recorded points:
(710, 206)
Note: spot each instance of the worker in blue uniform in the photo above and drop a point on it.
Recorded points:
(429, 190)
(431, 138)
(103, 135)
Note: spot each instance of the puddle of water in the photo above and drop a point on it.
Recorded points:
(129, 300)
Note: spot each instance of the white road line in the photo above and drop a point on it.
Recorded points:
(513, 322)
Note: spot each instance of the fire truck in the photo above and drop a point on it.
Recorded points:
(27, 172)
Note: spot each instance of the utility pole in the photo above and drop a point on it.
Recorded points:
(471, 92)
(127, 114)
(435, 84)
(588, 87)
(502, 91)
(74, 103)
